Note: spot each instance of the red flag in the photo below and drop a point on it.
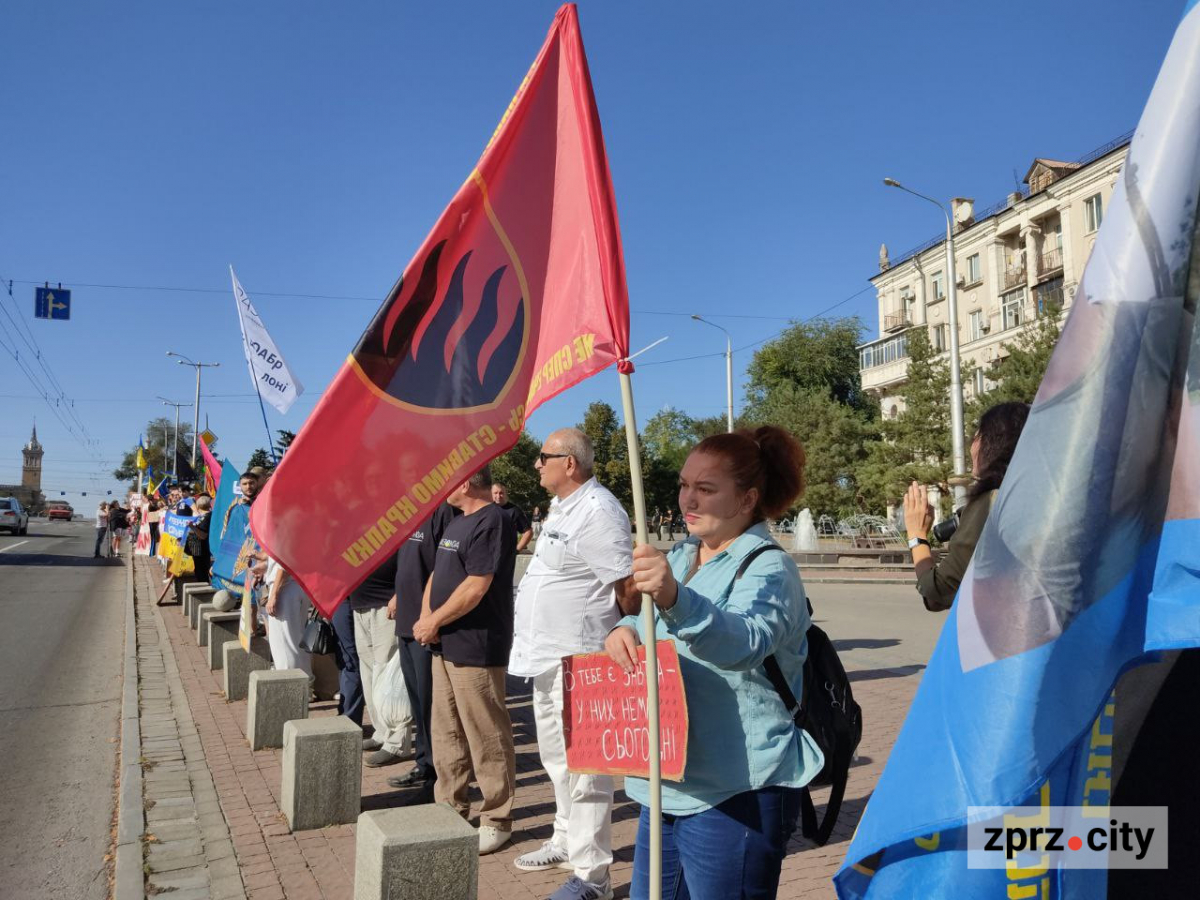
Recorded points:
(517, 294)
(212, 469)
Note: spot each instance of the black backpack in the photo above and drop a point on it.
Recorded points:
(828, 713)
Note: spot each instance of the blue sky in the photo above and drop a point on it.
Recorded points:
(313, 145)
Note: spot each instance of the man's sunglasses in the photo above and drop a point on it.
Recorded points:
(545, 456)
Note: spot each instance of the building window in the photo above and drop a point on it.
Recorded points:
(884, 352)
(1093, 212)
(977, 325)
(937, 337)
(974, 270)
(938, 283)
(1011, 309)
(980, 384)
(1049, 296)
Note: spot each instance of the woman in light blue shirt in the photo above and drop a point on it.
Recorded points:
(727, 824)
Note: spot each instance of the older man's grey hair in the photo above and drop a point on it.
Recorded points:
(578, 445)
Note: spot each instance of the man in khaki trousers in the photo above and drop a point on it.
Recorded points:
(467, 620)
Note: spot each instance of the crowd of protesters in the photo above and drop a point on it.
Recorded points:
(444, 614)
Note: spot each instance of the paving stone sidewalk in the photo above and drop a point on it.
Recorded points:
(188, 850)
(276, 864)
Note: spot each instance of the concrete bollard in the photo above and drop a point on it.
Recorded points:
(200, 628)
(237, 664)
(322, 772)
(274, 697)
(415, 852)
(221, 627)
(194, 614)
(196, 592)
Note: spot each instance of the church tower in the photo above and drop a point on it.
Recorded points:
(31, 472)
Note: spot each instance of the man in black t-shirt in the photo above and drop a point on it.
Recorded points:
(414, 565)
(516, 515)
(467, 618)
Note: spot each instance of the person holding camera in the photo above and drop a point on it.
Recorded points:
(992, 450)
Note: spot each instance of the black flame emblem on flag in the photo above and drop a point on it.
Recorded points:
(423, 352)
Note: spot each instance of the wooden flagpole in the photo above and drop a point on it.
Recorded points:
(648, 627)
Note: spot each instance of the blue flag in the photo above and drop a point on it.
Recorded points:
(1090, 560)
(229, 536)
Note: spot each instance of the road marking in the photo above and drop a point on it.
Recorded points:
(11, 546)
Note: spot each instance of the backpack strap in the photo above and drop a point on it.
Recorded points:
(816, 831)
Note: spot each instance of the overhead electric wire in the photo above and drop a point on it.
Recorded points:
(760, 341)
(31, 343)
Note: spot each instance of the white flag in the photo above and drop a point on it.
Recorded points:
(271, 375)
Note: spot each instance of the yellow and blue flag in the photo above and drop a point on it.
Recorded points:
(1089, 564)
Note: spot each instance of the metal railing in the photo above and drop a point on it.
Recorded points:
(896, 321)
(1050, 261)
(1013, 276)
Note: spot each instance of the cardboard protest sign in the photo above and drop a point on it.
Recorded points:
(604, 715)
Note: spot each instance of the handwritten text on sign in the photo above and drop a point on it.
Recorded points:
(604, 715)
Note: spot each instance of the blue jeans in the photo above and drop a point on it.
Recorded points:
(350, 683)
(730, 852)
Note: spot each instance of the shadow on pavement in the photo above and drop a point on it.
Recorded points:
(893, 672)
(864, 643)
(49, 559)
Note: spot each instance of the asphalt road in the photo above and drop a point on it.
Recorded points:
(876, 627)
(62, 621)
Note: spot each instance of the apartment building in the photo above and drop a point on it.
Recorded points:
(1014, 260)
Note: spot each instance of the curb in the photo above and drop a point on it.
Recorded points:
(129, 881)
(911, 582)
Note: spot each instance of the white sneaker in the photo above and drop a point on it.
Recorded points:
(492, 839)
(546, 856)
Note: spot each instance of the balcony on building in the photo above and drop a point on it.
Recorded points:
(884, 361)
(1050, 263)
(1014, 274)
(893, 322)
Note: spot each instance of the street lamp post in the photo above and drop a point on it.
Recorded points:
(175, 454)
(956, 389)
(184, 361)
(728, 370)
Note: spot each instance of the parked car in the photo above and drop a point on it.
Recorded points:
(60, 510)
(13, 516)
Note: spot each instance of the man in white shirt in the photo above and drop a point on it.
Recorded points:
(567, 604)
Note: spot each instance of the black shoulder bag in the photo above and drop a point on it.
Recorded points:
(829, 715)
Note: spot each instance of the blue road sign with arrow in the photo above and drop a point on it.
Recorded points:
(52, 303)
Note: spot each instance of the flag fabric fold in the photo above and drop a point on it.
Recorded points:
(272, 377)
(517, 294)
(213, 468)
(1090, 559)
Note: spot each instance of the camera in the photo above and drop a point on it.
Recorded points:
(945, 529)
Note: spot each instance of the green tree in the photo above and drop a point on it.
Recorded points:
(819, 354)
(1019, 374)
(707, 426)
(283, 441)
(260, 457)
(600, 423)
(159, 438)
(807, 381)
(514, 469)
(669, 436)
(916, 443)
(836, 439)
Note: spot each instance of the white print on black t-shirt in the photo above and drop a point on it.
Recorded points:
(448, 544)
(418, 536)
